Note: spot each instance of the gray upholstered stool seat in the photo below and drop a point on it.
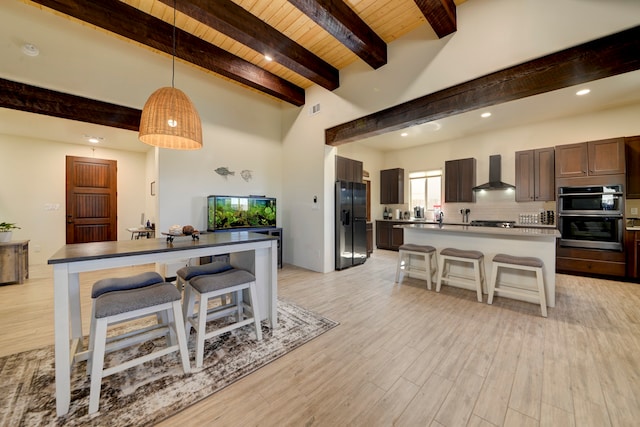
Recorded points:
(115, 306)
(187, 273)
(460, 253)
(417, 248)
(519, 260)
(123, 283)
(210, 286)
(517, 287)
(462, 259)
(418, 261)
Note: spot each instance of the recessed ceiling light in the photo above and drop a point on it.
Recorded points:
(583, 92)
(404, 134)
(93, 139)
(30, 49)
(485, 115)
(268, 57)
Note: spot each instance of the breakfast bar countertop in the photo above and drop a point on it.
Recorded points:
(123, 248)
(519, 231)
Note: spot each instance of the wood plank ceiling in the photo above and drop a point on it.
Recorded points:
(309, 41)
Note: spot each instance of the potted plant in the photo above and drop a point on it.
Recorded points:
(6, 229)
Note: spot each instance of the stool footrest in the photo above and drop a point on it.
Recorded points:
(458, 256)
(534, 293)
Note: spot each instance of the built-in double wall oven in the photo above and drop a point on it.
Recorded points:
(591, 217)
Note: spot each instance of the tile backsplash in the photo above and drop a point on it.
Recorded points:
(632, 204)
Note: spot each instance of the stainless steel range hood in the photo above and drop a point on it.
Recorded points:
(495, 171)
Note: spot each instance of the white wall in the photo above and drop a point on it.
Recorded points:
(32, 190)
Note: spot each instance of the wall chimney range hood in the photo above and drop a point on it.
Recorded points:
(495, 171)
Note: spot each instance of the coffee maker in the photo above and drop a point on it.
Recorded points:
(418, 212)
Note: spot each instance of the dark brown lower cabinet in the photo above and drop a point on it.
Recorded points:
(388, 237)
(632, 247)
(369, 239)
(590, 261)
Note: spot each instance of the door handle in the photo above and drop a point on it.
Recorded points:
(69, 219)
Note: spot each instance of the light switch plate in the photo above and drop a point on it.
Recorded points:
(634, 211)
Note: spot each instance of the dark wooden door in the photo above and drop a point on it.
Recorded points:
(91, 200)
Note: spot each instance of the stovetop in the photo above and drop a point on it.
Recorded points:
(492, 223)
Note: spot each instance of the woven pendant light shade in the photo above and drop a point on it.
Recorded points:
(169, 120)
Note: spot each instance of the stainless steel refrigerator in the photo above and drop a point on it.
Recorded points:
(351, 228)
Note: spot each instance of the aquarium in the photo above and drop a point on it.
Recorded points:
(232, 212)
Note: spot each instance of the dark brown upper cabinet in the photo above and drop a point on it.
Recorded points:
(459, 180)
(348, 169)
(392, 186)
(535, 175)
(604, 157)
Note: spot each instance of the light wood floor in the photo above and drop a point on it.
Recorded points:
(406, 356)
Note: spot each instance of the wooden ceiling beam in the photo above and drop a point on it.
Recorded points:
(339, 20)
(133, 24)
(605, 57)
(33, 99)
(232, 20)
(441, 14)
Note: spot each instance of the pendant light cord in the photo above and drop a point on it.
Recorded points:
(173, 56)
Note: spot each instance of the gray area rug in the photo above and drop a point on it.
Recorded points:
(148, 393)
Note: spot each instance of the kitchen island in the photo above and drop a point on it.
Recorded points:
(257, 253)
(519, 241)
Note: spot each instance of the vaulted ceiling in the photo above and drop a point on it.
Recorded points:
(308, 41)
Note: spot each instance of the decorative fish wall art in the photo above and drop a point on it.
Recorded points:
(224, 171)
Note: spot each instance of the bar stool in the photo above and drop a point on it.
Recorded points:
(419, 261)
(532, 294)
(210, 286)
(111, 284)
(459, 256)
(116, 306)
(187, 273)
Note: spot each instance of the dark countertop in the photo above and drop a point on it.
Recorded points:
(121, 248)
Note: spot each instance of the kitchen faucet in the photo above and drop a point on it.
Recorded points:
(440, 217)
(465, 214)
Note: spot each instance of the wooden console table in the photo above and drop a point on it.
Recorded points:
(14, 261)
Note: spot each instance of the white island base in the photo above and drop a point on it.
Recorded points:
(531, 242)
